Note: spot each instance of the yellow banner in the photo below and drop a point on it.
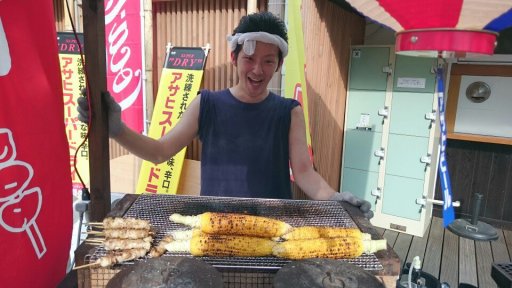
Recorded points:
(294, 78)
(179, 85)
(73, 81)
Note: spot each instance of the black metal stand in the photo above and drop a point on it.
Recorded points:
(474, 229)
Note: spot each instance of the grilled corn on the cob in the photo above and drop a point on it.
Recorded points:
(234, 224)
(347, 247)
(203, 244)
(311, 232)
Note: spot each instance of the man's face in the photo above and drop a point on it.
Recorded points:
(255, 71)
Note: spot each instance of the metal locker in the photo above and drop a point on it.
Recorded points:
(388, 160)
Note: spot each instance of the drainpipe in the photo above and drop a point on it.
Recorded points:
(252, 6)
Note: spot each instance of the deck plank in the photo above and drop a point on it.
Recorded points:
(450, 259)
(461, 260)
(499, 249)
(380, 230)
(467, 262)
(432, 259)
(401, 247)
(508, 240)
(390, 237)
(418, 246)
(484, 263)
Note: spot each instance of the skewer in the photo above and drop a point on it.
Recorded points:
(99, 241)
(93, 232)
(97, 263)
(93, 223)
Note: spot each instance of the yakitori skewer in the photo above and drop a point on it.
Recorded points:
(119, 223)
(115, 257)
(122, 233)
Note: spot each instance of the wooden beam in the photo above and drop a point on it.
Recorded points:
(95, 67)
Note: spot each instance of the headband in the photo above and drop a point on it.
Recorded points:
(249, 41)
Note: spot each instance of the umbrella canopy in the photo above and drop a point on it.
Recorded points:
(447, 28)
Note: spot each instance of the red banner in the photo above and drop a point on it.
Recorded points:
(35, 182)
(124, 48)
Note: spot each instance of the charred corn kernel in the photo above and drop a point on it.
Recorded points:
(311, 232)
(234, 224)
(347, 247)
(203, 244)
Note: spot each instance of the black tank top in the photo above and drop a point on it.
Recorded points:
(245, 146)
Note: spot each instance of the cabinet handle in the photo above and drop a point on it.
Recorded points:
(384, 112)
(426, 159)
(380, 153)
(431, 116)
(377, 192)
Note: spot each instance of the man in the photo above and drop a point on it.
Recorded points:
(249, 135)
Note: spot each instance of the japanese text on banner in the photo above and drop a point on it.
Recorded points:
(73, 81)
(179, 84)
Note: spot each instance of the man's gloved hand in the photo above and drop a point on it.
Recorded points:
(348, 197)
(115, 125)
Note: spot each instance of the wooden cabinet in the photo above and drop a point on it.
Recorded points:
(391, 136)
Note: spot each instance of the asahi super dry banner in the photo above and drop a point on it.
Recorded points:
(179, 85)
(36, 217)
(124, 46)
(73, 81)
(295, 80)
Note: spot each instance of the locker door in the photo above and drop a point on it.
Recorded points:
(359, 182)
(366, 64)
(401, 202)
(404, 156)
(410, 113)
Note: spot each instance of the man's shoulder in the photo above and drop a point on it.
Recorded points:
(288, 101)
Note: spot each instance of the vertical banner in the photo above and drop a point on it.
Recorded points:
(35, 183)
(294, 78)
(73, 81)
(179, 85)
(446, 187)
(124, 46)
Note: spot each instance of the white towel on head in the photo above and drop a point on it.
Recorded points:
(249, 41)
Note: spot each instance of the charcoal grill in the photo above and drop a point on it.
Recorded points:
(158, 208)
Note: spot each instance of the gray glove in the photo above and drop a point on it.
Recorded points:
(115, 125)
(348, 197)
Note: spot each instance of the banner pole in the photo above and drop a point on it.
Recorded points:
(95, 68)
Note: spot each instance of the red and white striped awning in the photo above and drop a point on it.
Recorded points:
(449, 28)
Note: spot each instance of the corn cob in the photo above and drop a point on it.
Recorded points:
(347, 247)
(311, 232)
(203, 244)
(234, 224)
(184, 234)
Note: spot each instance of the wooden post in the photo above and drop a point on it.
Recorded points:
(95, 67)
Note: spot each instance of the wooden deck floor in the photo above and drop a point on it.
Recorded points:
(450, 258)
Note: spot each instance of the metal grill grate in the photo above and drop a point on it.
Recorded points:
(158, 208)
(502, 274)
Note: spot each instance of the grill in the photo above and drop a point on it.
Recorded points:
(502, 274)
(158, 208)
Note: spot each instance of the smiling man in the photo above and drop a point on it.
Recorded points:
(249, 135)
